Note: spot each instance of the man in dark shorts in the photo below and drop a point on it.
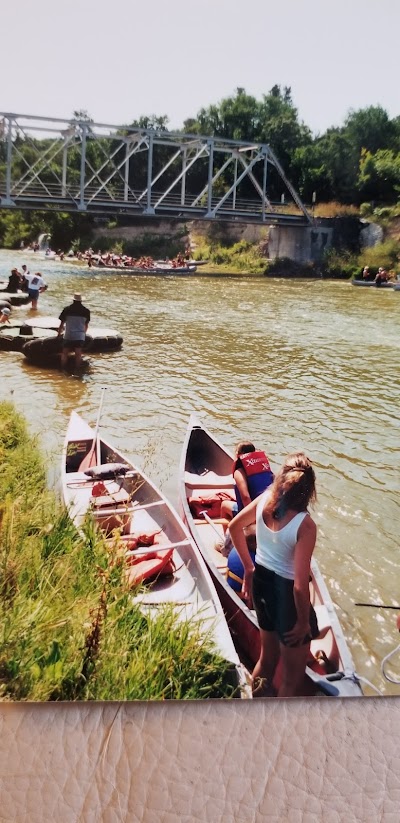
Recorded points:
(74, 321)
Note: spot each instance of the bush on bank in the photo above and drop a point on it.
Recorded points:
(241, 257)
(69, 628)
(386, 254)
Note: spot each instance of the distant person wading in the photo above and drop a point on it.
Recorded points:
(74, 322)
(36, 285)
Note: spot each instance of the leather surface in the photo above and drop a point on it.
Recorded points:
(302, 761)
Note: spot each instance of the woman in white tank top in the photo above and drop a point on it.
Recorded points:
(278, 582)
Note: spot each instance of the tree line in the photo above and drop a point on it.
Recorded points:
(353, 163)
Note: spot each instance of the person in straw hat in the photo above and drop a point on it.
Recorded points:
(74, 322)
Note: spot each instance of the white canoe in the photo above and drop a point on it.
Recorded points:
(136, 503)
(206, 468)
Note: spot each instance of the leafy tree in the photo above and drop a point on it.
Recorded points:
(379, 176)
(311, 172)
(370, 129)
(151, 121)
(340, 159)
(272, 120)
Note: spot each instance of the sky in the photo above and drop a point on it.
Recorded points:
(173, 57)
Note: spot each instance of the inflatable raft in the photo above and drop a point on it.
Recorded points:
(37, 339)
(14, 337)
(45, 350)
(16, 298)
(389, 285)
(164, 269)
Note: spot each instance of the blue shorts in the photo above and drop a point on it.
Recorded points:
(33, 293)
(235, 570)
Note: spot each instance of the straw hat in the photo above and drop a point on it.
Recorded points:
(77, 297)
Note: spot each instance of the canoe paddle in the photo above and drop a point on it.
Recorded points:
(91, 458)
(208, 519)
(377, 606)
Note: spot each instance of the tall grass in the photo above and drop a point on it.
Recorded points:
(69, 629)
(335, 209)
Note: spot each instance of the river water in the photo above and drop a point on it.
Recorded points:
(291, 364)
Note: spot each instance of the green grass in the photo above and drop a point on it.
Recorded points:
(69, 628)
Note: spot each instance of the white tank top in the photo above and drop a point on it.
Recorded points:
(275, 550)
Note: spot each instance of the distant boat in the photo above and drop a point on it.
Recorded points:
(388, 285)
(187, 262)
(158, 269)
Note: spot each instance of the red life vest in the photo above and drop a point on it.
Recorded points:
(258, 474)
(253, 463)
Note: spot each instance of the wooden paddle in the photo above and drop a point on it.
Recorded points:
(91, 458)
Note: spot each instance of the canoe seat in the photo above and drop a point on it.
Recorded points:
(107, 511)
(113, 511)
(210, 480)
(111, 500)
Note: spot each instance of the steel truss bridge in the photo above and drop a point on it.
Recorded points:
(79, 166)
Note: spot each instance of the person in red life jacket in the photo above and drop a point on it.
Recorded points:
(252, 475)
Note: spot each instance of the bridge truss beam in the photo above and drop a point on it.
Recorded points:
(77, 165)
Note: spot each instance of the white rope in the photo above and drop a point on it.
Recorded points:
(385, 659)
(357, 677)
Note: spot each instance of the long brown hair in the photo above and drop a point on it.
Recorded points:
(293, 487)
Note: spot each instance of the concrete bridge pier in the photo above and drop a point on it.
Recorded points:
(304, 244)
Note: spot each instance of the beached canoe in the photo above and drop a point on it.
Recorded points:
(389, 285)
(205, 470)
(133, 504)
